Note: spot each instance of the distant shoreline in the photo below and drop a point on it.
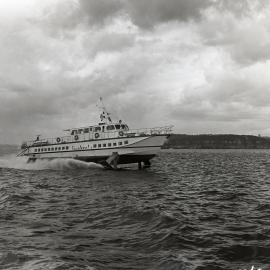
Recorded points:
(216, 141)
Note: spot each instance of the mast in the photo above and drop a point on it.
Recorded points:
(105, 115)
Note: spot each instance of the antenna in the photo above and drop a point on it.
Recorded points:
(104, 116)
(38, 137)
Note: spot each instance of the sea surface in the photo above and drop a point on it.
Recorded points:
(192, 210)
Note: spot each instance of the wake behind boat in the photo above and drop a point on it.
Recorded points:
(108, 143)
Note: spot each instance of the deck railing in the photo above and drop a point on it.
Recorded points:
(166, 130)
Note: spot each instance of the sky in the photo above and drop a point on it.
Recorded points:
(202, 66)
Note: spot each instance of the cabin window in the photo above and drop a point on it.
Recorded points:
(66, 147)
(91, 129)
(73, 132)
(38, 149)
(35, 150)
(125, 142)
(80, 131)
(109, 144)
(48, 149)
(114, 144)
(86, 130)
(41, 149)
(59, 148)
(123, 126)
(120, 143)
(97, 129)
(110, 127)
(63, 148)
(117, 126)
(99, 145)
(95, 146)
(104, 144)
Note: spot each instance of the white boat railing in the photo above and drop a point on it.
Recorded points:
(131, 133)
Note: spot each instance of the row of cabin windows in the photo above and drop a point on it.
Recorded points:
(66, 147)
(98, 129)
(109, 144)
(51, 149)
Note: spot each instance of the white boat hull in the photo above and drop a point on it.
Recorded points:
(131, 150)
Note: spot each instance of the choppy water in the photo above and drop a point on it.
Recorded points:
(194, 209)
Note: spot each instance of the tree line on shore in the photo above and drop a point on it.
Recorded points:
(219, 141)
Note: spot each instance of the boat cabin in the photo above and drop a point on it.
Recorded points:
(102, 127)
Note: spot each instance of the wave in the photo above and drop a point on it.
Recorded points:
(12, 261)
(13, 162)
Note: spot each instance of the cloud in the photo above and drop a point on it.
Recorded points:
(201, 65)
(245, 38)
(237, 95)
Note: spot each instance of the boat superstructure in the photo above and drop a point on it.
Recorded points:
(108, 143)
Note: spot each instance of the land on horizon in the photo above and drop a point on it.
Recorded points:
(217, 141)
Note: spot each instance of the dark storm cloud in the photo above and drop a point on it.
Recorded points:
(144, 14)
(97, 13)
(147, 14)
